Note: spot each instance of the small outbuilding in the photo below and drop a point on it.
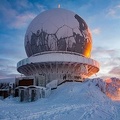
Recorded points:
(22, 93)
(4, 93)
(32, 93)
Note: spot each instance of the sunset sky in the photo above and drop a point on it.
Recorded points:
(102, 17)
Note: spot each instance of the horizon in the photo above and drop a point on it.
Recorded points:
(103, 19)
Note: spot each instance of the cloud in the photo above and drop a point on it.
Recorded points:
(5, 61)
(111, 12)
(4, 75)
(18, 14)
(23, 4)
(12, 45)
(9, 56)
(6, 64)
(107, 51)
(22, 20)
(8, 72)
(108, 59)
(96, 31)
(115, 71)
(7, 68)
(114, 11)
(118, 6)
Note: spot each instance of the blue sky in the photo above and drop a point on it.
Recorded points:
(102, 17)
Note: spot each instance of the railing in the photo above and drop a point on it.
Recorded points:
(64, 52)
(91, 61)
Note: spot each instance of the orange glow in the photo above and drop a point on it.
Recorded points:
(108, 80)
(88, 45)
(114, 98)
(114, 94)
(87, 50)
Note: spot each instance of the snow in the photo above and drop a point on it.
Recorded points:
(113, 88)
(70, 101)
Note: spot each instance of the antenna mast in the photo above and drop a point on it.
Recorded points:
(58, 5)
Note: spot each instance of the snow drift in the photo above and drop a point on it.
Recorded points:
(70, 101)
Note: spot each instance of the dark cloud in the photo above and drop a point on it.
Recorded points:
(12, 46)
(5, 61)
(7, 68)
(7, 73)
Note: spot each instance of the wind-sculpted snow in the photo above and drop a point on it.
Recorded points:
(70, 101)
(99, 82)
(113, 88)
(109, 86)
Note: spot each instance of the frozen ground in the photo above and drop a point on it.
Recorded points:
(71, 101)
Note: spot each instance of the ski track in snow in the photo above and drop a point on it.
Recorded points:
(71, 101)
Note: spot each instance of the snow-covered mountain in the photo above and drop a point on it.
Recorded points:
(70, 101)
(113, 88)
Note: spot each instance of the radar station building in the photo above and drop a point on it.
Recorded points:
(58, 45)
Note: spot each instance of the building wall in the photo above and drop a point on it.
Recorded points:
(25, 82)
(60, 72)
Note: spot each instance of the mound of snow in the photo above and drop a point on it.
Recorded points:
(113, 88)
(70, 101)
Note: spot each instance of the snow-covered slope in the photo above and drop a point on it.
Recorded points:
(113, 88)
(70, 101)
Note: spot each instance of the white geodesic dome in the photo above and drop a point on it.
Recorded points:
(58, 30)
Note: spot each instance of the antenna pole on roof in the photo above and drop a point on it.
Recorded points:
(58, 5)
